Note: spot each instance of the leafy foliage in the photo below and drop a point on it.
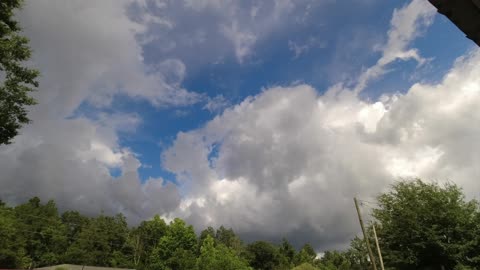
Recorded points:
(103, 238)
(219, 257)
(305, 266)
(287, 254)
(336, 260)
(43, 238)
(228, 238)
(420, 226)
(12, 248)
(263, 255)
(17, 80)
(306, 255)
(427, 226)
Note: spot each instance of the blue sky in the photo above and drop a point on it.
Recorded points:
(344, 37)
(264, 116)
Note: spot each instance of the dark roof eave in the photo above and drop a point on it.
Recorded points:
(465, 14)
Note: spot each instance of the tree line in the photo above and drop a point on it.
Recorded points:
(419, 226)
(35, 234)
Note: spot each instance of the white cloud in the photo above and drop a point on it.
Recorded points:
(69, 161)
(202, 30)
(91, 53)
(300, 48)
(122, 122)
(88, 54)
(406, 24)
(288, 162)
(243, 41)
(283, 163)
(216, 104)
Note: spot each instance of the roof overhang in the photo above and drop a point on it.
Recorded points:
(465, 14)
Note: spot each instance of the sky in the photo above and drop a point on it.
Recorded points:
(264, 116)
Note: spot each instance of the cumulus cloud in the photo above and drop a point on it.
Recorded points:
(92, 54)
(70, 161)
(283, 156)
(289, 161)
(88, 55)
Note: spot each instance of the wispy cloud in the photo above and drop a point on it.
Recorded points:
(299, 48)
(216, 104)
(406, 24)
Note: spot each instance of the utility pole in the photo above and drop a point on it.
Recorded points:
(378, 247)
(370, 253)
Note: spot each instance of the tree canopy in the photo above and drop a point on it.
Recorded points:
(419, 225)
(428, 226)
(219, 257)
(35, 234)
(17, 80)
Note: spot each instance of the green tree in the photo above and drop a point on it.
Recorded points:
(135, 248)
(74, 222)
(427, 226)
(179, 238)
(263, 255)
(203, 235)
(306, 255)
(17, 80)
(287, 254)
(219, 257)
(100, 243)
(145, 238)
(357, 255)
(12, 248)
(42, 230)
(208, 254)
(307, 266)
(228, 238)
(335, 260)
(182, 259)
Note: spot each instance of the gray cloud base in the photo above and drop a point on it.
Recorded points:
(286, 162)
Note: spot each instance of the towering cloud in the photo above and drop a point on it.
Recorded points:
(289, 161)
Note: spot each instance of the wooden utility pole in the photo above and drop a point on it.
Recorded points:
(370, 253)
(378, 247)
